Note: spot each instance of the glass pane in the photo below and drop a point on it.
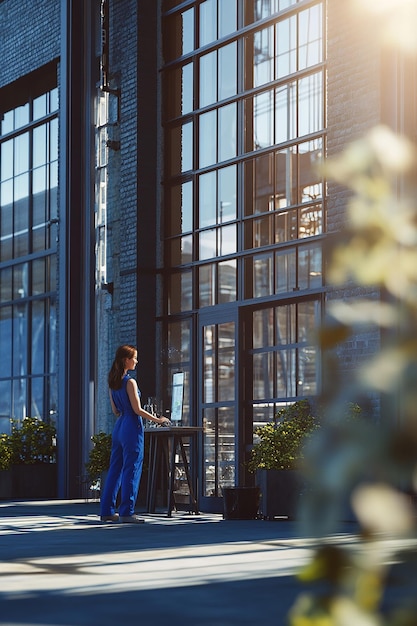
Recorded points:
(38, 277)
(208, 79)
(227, 132)
(263, 275)
(286, 42)
(259, 177)
(286, 226)
(263, 56)
(285, 325)
(20, 281)
(209, 363)
(19, 406)
(53, 140)
(285, 114)
(310, 155)
(208, 22)
(20, 338)
(187, 85)
(178, 342)
(39, 146)
(227, 71)
(5, 332)
(38, 337)
(180, 214)
(286, 373)
(207, 199)
(5, 285)
(227, 194)
(21, 187)
(311, 221)
(21, 153)
(226, 451)
(5, 404)
(285, 271)
(52, 340)
(227, 17)
(37, 407)
(263, 120)
(7, 122)
(263, 328)
(263, 369)
(209, 442)
(286, 177)
(39, 106)
(310, 37)
(307, 371)
(21, 227)
(207, 244)
(39, 180)
(187, 147)
(262, 231)
(310, 267)
(207, 139)
(180, 292)
(181, 250)
(179, 35)
(227, 243)
(21, 116)
(6, 195)
(206, 285)
(53, 103)
(310, 105)
(6, 159)
(226, 361)
(227, 273)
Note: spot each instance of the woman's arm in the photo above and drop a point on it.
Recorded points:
(113, 406)
(132, 392)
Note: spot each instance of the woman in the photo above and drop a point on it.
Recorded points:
(127, 440)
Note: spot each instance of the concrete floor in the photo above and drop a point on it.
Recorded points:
(59, 566)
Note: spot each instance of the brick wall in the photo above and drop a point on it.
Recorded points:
(34, 39)
(353, 107)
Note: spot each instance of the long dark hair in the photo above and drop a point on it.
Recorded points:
(117, 369)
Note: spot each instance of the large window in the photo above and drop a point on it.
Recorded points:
(245, 129)
(28, 235)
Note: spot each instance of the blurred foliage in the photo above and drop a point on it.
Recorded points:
(366, 469)
(279, 444)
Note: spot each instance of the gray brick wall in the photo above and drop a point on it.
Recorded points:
(353, 108)
(34, 39)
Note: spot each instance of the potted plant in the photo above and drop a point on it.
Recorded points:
(275, 458)
(98, 460)
(28, 456)
(5, 464)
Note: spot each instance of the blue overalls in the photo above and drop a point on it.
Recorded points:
(126, 458)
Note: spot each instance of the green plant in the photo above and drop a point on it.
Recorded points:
(33, 441)
(5, 452)
(279, 443)
(99, 456)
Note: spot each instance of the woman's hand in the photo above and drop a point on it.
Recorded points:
(164, 421)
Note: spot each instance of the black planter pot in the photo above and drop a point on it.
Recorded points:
(6, 484)
(240, 502)
(34, 481)
(280, 493)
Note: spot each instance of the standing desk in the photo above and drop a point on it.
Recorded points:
(164, 442)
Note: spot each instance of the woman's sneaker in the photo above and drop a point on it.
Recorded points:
(132, 519)
(110, 518)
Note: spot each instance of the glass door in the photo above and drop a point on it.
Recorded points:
(217, 402)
